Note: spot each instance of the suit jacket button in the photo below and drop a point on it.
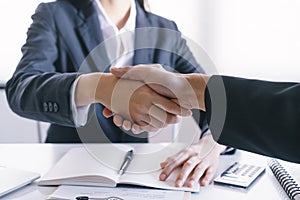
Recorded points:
(50, 106)
(55, 107)
(45, 105)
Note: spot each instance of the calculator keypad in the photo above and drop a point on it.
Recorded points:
(242, 175)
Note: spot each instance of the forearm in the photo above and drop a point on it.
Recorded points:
(41, 97)
(198, 83)
(95, 88)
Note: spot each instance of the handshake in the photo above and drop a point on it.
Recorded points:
(147, 97)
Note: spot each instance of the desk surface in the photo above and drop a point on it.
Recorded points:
(41, 157)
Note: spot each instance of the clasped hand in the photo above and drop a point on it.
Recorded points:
(137, 102)
(176, 91)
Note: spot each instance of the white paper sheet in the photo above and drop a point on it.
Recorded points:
(71, 192)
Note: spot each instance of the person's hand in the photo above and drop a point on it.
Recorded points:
(197, 163)
(136, 102)
(185, 89)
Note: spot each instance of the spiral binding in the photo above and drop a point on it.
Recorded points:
(289, 185)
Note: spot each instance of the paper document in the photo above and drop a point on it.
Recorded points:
(71, 192)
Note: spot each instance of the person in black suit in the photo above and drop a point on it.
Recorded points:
(254, 115)
(64, 63)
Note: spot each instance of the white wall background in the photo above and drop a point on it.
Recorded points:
(248, 38)
(15, 18)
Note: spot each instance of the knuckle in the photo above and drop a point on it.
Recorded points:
(171, 119)
(170, 106)
(189, 151)
(210, 170)
(185, 151)
(188, 164)
(173, 160)
(193, 178)
(200, 168)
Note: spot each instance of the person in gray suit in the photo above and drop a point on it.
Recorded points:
(61, 78)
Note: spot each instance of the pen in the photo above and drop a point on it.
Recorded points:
(127, 159)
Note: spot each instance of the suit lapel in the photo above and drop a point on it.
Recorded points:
(141, 56)
(88, 24)
(89, 31)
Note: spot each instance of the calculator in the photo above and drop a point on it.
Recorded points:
(240, 175)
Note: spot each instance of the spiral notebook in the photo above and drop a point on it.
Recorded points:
(287, 182)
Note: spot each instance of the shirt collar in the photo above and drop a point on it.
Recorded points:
(106, 23)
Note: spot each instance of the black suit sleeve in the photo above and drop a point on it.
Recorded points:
(259, 116)
(36, 90)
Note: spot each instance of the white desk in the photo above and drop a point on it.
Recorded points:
(41, 157)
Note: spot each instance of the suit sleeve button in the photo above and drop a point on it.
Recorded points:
(50, 106)
(45, 106)
(55, 107)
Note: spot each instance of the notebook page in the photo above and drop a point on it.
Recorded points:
(152, 180)
(78, 165)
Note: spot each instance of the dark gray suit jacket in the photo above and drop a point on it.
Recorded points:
(259, 116)
(59, 39)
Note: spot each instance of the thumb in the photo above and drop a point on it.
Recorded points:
(137, 73)
(119, 72)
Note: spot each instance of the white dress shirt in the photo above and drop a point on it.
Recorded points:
(119, 47)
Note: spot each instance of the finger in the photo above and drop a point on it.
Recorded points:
(136, 129)
(145, 123)
(163, 164)
(173, 163)
(198, 172)
(149, 128)
(157, 117)
(118, 120)
(170, 106)
(182, 105)
(119, 72)
(130, 72)
(139, 72)
(164, 117)
(107, 113)
(208, 176)
(126, 125)
(186, 170)
(175, 157)
(156, 123)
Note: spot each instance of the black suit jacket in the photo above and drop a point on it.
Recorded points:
(61, 36)
(259, 116)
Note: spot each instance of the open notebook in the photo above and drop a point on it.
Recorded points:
(13, 179)
(79, 167)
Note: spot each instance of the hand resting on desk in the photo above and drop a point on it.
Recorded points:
(198, 163)
(195, 167)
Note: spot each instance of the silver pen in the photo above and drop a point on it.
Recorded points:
(127, 159)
